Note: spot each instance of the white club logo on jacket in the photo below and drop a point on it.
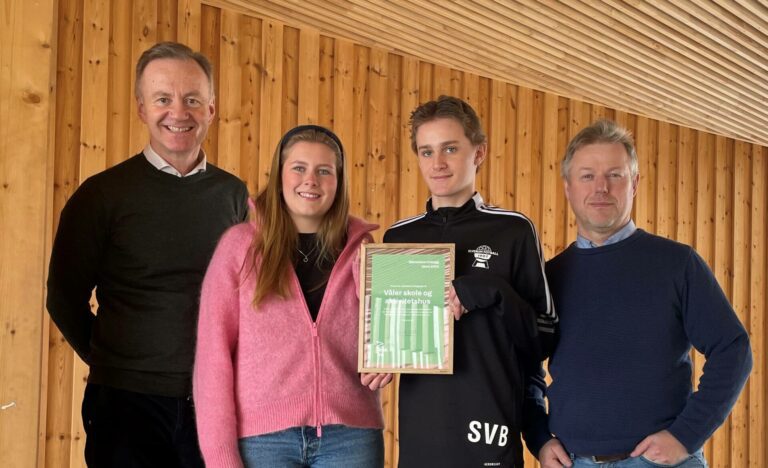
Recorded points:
(483, 256)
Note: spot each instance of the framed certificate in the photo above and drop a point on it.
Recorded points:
(405, 326)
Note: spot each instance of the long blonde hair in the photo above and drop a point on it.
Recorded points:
(278, 238)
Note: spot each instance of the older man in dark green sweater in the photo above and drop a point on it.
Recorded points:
(142, 233)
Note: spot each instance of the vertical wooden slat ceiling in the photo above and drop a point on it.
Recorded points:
(698, 63)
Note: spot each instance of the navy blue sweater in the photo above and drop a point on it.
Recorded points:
(629, 313)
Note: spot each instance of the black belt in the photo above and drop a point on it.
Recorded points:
(606, 458)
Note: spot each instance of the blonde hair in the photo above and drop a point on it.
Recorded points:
(601, 131)
(278, 238)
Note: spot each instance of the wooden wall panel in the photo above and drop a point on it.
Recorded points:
(309, 76)
(27, 113)
(270, 129)
(290, 97)
(508, 148)
(550, 177)
(251, 80)
(393, 153)
(62, 365)
(228, 98)
(325, 85)
(666, 180)
(343, 118)
(536, 156)
(359, 145)
(376, 163)
(737, 439)
(686, 186)
(699, 189)
(441, 80)
(121, 96)
(758, 301)
(501, 169)
(521, 200)
(143, 30)
(560, 235)
(483, 108)
(188, 22)
(704, 226)
(723, 258)
(640, 211)
(95, 86)
(167, 19)
(210, 22)
(409, 176)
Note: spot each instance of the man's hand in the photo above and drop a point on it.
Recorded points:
(553, 455)
(661, 447)
(454, 304)
(375, 381)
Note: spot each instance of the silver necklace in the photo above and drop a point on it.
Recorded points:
(306, 255)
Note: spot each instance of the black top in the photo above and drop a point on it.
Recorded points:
(312, 272)
(473, 417)
(143, 239)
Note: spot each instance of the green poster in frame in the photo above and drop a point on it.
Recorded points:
(405, 326)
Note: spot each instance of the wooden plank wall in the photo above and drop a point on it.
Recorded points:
(705, 190)
(27, 107)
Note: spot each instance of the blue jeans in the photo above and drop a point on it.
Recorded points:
(300, 447)
(695, 460)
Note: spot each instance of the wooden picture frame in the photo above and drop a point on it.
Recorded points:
(405, 326)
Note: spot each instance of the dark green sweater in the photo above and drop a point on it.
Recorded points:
(143, 239)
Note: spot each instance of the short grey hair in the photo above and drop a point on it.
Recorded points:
(171, 50)
(601, 131)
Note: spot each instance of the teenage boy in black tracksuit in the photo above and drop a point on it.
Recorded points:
(473, 418)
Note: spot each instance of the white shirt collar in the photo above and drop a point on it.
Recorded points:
(162, 165)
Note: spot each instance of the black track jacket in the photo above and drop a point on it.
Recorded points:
(473, 418)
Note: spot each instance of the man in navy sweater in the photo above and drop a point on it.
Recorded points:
(142, 233)
(631, 306)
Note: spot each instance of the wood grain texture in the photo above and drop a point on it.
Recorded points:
(188, 22)
(27, 111)
(143, 30)
(250, 99)
(701, 189)
(758, 302)
(62, 361)
(229, 100)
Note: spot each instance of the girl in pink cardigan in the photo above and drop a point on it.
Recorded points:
(275, 379)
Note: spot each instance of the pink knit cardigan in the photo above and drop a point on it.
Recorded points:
(265, 370)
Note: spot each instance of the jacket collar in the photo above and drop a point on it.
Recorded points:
(446, 213)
